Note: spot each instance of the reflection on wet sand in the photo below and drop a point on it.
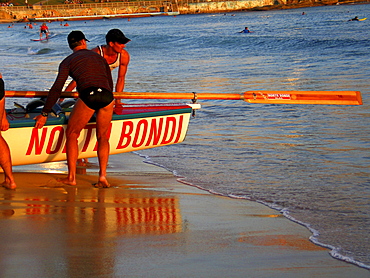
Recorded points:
(77, 229)
(120, 211)
(288, 241)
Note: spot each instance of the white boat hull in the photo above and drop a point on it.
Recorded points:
(29, 145)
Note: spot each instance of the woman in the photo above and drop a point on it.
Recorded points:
(5, 159)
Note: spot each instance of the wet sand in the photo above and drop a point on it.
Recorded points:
(147, 225)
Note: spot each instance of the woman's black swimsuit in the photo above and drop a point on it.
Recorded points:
(2, 89)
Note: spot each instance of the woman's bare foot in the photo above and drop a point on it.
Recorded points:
(67, 181)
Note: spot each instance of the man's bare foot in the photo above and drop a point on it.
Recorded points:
(67, 181)
(102, 183)
(9, 185)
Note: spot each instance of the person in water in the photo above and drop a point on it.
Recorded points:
(246, 30)
(116, 55)
(354, 19)
(5, 158)
(44, 29)
(93, 77)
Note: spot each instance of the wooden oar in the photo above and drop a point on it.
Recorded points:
(277, 97)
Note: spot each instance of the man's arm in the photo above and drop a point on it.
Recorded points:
(122, 70)
(53, 96)
(71, 86)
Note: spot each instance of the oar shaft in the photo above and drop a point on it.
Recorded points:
(151, 95)
(38, 94)
(134, 95)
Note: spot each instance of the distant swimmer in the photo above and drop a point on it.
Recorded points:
(354, 19)
(246, 30)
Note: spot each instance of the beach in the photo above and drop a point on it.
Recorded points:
(253, 161)
(147, 225)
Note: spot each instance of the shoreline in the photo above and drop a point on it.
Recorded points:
(148, 224)
(154, 14)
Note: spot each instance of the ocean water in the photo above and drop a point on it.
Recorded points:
(311, 162)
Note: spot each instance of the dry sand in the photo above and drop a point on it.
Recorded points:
(148, 225)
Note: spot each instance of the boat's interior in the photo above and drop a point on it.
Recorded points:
(21, 116)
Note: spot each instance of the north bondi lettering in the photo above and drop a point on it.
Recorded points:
(144, 133)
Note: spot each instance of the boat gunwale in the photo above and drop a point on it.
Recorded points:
(62, 119)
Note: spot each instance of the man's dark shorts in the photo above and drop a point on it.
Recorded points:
(96, 98)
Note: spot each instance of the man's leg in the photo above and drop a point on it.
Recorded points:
(103, 121)
(78, 119)
(5, 158)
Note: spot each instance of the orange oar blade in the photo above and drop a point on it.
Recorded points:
(304, 97)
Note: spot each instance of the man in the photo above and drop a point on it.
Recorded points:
(44, 29)
(246, 30)
(94, 85)
(5, 158)
(116, 56)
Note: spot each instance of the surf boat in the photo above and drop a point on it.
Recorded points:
(134, 127)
